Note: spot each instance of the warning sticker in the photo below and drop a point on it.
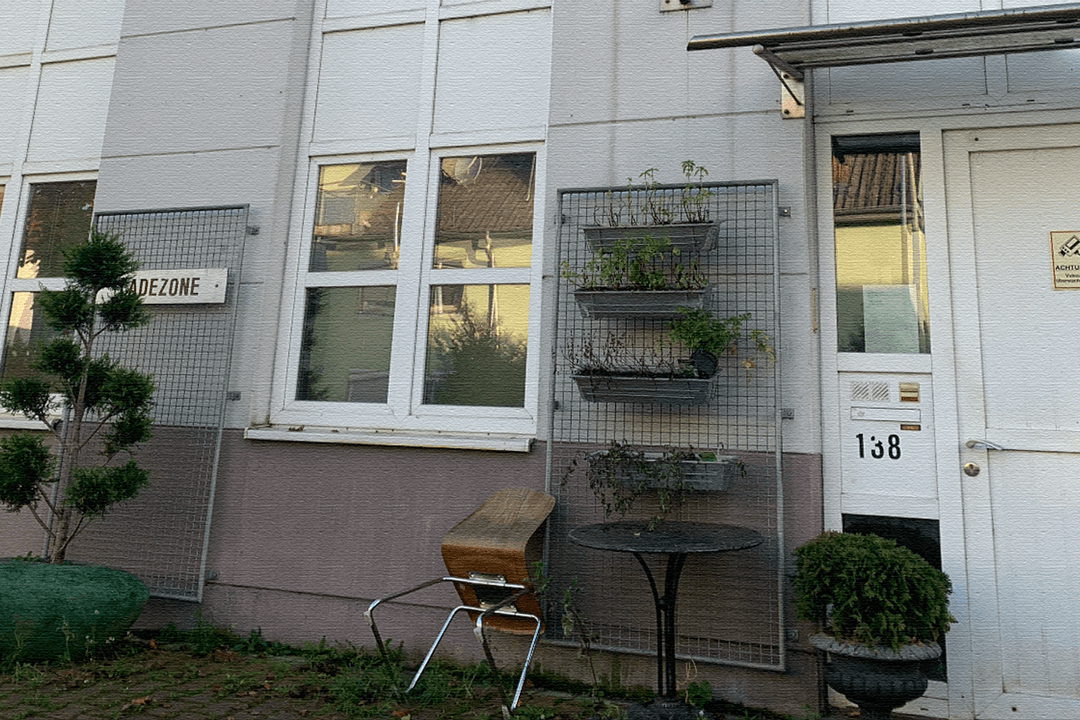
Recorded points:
(1065, 259)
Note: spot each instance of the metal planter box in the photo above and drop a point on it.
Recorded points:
(642, 389)
(698, 475)
(684, 236)
(596, 303)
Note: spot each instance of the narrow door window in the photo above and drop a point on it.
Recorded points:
(881, 296)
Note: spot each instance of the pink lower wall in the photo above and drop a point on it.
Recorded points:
(305, 535)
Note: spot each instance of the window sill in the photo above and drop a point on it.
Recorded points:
(398, 438)
(9, 421)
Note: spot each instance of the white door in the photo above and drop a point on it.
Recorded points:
(1017, 356)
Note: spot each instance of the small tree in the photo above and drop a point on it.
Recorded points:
(103, 403)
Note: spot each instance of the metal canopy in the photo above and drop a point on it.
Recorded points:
(794, 50)
(790, 52)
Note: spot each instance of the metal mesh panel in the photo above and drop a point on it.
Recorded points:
(730, 606)
(161, 535)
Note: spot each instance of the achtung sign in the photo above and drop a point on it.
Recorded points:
(1065, 259)
(204, 286)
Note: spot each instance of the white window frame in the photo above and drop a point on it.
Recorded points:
(405, 419)
(18, 204)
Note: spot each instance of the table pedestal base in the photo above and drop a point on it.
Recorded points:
(666, 709)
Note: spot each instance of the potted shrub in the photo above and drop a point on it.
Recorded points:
(708, 338)
(679, 214)
(881, 608)
(622, 473)
(104, 406)
(630, 278)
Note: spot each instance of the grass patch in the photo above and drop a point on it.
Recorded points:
(174, 672)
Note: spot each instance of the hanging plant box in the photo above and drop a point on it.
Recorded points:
(699, 474)
(684, 236)
(643, 389)
(600, 303)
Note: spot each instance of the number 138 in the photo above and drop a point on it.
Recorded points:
(878, 448)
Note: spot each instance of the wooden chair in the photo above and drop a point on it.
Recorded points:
(487, 557)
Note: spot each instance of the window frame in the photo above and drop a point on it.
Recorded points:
(19, 205)
(404, 411)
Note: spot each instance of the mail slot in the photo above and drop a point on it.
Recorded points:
(902, 415)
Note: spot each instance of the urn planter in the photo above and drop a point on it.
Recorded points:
(624, 304)
(643, 389)
(684, 236)
(876, 678)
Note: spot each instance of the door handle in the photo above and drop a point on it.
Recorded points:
(982, 445)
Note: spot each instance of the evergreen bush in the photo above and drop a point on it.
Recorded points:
(868, 590)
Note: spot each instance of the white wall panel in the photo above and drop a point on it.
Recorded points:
(13, 88)
(83, 23)
(18, 25)
(494, 72)
(913, 82)
(157, 16)
(73, 103)
(843, 11)
(1057, 70)
(201, 90)
(346, 8)
(369, 83)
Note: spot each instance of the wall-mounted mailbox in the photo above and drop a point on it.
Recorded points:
(887, 439)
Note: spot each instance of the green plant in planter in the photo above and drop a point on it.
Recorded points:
(863, 589)
(105, 406)
(694, 196)
(708, 338)
(622, 473)
(650, 204)
(650, 264)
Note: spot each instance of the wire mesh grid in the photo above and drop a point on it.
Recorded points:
(730, 608)
(160, 536)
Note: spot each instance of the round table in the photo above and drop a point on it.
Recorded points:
(676, 539)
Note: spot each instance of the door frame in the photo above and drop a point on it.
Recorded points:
(966, 544)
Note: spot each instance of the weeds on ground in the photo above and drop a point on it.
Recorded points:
(320, 679)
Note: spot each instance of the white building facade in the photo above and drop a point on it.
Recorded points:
(402, 171)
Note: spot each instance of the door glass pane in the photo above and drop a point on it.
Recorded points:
(476, 345)
(881, 296)
(485, 211)
(58, 218)
(358, 217)
(345, 349)
(27, 331)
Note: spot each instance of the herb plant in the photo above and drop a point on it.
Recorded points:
(622, 473)
(866, 589)
(631, 264)
(106, 407)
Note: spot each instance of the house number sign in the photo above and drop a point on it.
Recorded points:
(1065, 259)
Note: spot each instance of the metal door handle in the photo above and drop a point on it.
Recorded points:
(982, 445)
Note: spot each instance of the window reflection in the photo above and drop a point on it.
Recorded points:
(485, 211)
(881, 296)
(58, 218)
(345, 350)
(358, 217)
(27, 332)
(476, 349)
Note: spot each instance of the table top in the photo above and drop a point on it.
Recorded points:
(669, 536)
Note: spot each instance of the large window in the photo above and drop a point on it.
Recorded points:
(412, 309)
(58, 217)
(881, 296)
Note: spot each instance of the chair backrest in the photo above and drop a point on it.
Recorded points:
(502, 538)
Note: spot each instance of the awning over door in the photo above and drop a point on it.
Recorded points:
(793, 51)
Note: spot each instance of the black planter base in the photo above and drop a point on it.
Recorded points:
(878, 680)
